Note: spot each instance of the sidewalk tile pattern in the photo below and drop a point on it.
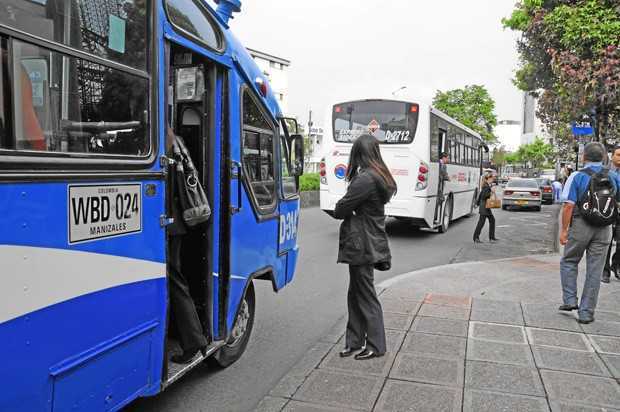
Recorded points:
(558, 339)
(585, 389)
(418, 397)
(482, 401)
(454, 353)
(497, 311)
(567, 360)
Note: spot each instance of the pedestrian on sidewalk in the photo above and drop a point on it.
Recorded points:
(485, 212)
(557, 191)
(613, 266)
(364, 245)
(579, 235)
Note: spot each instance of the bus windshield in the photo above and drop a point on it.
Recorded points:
(390, 122)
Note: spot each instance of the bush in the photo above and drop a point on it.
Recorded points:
(309, 182)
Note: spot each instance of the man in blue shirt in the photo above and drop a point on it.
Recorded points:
(579, 237)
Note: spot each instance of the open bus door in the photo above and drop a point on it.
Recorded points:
(440, 201)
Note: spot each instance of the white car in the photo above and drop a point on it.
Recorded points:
(522, 193)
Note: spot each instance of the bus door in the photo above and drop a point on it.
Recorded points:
(193, 113)
(291, 167)
(252, 236)
(443, 147)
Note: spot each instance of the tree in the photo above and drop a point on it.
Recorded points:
(537, 153)
(472, 106)
(570, 59)
(499, 157)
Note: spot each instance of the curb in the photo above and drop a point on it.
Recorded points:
(405, 276)
(310, 199)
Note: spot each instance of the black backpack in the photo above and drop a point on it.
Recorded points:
(597, 206)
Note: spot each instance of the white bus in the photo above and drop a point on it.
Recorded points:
(411, 137)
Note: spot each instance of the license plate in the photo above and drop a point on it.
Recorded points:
(522, 202)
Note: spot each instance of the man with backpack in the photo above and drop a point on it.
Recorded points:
(588, 213)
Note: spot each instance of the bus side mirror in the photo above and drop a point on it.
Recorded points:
(297, 150)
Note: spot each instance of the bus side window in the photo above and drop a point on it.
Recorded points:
(5, 102)
(71, 105)
(259, 154)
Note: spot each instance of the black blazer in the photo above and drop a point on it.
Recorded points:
(485, 194)
(363, 240)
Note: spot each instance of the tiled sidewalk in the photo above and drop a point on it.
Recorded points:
(450, 353)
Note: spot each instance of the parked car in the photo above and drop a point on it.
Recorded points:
(522, 193)
(546, 190)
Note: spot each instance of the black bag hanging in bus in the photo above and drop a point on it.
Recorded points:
(597, 205)
(194, 202)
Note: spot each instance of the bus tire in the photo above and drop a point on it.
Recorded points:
(240, 334)
(446, 217)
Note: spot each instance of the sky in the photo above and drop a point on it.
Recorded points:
(347, 49)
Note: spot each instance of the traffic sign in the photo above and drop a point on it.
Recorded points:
(582, 128)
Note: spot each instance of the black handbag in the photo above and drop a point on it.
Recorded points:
(192, 198)
(384, 265)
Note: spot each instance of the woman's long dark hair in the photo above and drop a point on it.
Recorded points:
(365, 154)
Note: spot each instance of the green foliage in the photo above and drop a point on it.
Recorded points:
(570, 59)
(472, 106)
(309, 182)
(584, 28)
(537, 153)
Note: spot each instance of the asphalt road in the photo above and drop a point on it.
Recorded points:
(290, 322)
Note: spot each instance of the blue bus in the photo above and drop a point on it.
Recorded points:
(88, 91)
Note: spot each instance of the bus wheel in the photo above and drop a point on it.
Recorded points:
(240, 334)
(447, 215)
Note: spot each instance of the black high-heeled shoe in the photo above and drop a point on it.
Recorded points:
(367, 354)
(346, 352)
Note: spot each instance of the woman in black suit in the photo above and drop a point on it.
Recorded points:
(364, 244)
(485, 212)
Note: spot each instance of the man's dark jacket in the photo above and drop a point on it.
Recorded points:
(363, 240)
(485, 194)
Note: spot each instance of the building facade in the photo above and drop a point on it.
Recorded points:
(276, 70)
(509, 134)
(532, 126)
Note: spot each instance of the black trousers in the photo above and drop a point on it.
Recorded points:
(365, 324)
(480, 225)
(182, 308)
(615, 258)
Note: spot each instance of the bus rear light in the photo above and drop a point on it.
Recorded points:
(422, 183)
(323, 171)
(414, 108)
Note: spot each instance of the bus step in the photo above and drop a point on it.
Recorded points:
(177, 370)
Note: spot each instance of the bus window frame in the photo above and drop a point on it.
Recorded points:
(194, 39)
(269, 212)
(41, 162)
(285, 158)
